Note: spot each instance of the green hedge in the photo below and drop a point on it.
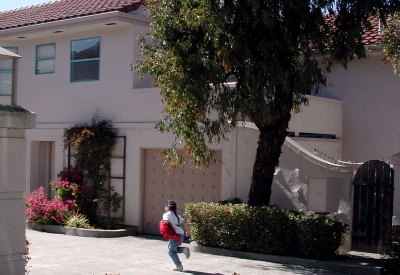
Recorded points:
(266, 230)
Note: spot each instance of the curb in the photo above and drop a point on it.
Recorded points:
(344, 267)
(81, 232)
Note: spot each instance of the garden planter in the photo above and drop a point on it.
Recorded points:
(81, 232)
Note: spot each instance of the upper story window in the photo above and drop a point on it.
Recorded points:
(45, 58)
(85, 59)
(6, 73)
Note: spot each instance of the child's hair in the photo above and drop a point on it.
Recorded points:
(172, 207)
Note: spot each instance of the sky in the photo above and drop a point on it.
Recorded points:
(15, 4)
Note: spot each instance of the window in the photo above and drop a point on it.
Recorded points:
(6, 74)
(45, 59)
(85, 59)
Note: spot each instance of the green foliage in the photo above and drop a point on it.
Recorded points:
(391, 42)
(391, 251)
(76, 220)
(91, 145)
(320, 236)
(266, 230)
(273, 51)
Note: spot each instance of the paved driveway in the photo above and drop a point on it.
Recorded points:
(56, 254)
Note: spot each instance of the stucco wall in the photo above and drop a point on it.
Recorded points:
(290, 186)
(118, 94)
(321, 116)
(370, 94)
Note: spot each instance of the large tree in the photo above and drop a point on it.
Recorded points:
(391, 42)
(273, 50)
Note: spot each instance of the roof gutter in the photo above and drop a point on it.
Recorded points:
(114, 16)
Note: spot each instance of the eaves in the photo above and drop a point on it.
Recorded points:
(74, 24)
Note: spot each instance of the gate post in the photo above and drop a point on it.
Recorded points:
(14, 121)
(395, 160)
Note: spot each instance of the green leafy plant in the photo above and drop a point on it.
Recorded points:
(76, 220)
(265, 229)
(91, 145)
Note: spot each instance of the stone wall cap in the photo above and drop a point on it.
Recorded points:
(16, 117)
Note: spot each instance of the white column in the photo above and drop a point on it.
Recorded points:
(395, 160)
(14, 121)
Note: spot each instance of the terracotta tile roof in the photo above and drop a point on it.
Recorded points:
(370, 37)
(62, 9)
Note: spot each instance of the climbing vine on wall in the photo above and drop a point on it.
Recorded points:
(91, 146)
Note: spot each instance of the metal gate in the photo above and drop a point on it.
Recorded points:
(373, 206)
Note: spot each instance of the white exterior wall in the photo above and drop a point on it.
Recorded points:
(321, 116)
(370, 94)
(56, 100)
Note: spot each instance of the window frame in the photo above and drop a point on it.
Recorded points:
(42, 59)
(8, 71)
(71, 62)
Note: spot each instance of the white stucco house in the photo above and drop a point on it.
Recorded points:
(75, 62)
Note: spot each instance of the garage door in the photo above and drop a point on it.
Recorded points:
(182, 185)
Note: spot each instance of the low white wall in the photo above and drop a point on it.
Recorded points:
(327, 149)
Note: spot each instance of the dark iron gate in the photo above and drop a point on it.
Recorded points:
(373, 206)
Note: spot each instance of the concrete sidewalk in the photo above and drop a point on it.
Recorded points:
(57, 254)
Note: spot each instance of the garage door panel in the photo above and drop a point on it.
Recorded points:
(183, 184)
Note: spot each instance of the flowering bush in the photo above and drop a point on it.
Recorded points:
(40, 210)
(67, 191)
(71, 174)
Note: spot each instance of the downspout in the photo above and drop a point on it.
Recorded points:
(14, 81)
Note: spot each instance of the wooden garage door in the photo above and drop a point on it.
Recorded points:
(181, 185)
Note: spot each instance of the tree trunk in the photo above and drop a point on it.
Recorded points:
(270, 141)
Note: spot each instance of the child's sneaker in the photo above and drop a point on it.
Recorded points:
(186, 251)
(178, 268)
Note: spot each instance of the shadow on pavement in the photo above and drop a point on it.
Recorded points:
(200, 273)
(295, 269)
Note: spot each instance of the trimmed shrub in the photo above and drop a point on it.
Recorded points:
(321, 236)
(265, 229)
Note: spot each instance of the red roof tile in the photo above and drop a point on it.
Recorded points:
(370, 37)
(62, 9)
